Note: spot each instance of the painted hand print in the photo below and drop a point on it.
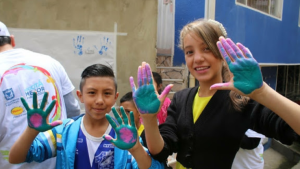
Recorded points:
(38, 118)
(145, 97)
(78, 45)
(126, 133)
(105, 43)
(246, 72)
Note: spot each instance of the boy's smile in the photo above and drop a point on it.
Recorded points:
(98, 96)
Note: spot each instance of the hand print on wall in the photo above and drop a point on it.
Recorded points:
(104, 46)
(78, 45)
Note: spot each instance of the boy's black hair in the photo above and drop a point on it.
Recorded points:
(5, 40)
(126, 97)
(157, 79)
(97, 70)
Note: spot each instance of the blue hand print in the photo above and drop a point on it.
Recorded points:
(78, 44)
(103, 46)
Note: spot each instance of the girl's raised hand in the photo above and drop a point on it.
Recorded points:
(245, 70)
(146, 99)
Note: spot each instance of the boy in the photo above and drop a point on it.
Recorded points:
(78, 143)
(127, 102)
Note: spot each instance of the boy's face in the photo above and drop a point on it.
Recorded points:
(98, 96)
(129, 106)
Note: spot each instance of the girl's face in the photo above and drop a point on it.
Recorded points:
(200, 60)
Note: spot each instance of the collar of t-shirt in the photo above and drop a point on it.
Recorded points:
(93, 142)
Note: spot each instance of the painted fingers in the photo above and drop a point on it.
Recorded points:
(38, 118)
(126, 134)
(245, 69)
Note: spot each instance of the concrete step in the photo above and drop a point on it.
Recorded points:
(275, 160)
(292, 153)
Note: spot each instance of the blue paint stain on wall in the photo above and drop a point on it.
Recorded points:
(270, 40)
(77, 43)
(185, 11)
(104, 45)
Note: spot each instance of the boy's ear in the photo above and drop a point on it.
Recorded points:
(79, 95)
(117, 95)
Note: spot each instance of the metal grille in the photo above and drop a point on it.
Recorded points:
(272, 7)
(288, 82)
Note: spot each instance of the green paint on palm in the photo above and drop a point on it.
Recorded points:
(126, 133)
(37, 117)
(146, 99)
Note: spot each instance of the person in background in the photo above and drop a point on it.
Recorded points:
(250, 154)
(162, 114)
(23, 72)
(128, 105)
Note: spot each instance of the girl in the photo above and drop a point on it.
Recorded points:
(206, 124)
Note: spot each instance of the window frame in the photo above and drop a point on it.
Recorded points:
(265, 13)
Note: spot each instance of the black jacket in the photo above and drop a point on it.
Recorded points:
(214, 139)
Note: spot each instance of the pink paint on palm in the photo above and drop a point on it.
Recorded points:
(107, 137)
(140, 76)
(36, 120)
(132, 83)
(55, 123)
(148, 70)
(144, 75)
(219, 85)
(126, 135)
(166, 91)
(133, 140)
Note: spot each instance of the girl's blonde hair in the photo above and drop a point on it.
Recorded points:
(210, 31)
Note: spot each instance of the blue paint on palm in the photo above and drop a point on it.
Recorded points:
(146, 99)
(247, 75)
(245, 69)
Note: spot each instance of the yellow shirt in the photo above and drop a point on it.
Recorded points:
(198, 106)
(141, 129)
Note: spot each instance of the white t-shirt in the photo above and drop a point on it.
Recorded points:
(21, 73)
(250, 159)
(93, 142)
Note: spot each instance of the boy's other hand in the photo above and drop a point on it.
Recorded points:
(146, 98)
(126, 133)
(38, 118)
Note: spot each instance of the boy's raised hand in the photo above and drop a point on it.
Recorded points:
(38, 118)
(126, 133)
(146, 99)
(246, 72)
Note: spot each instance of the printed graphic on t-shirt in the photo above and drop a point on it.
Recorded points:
(105, 159)
(37, 87)
(9, 94)
(13, 94)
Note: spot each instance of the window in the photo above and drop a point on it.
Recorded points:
(271, 7)
(288, 82)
